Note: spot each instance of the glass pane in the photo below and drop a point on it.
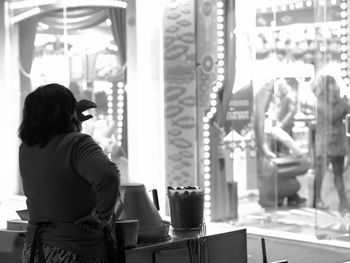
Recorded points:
(75, 47)
(254, 144)
(281, 77)
(331, 143)
(250, 140)
(304, 46)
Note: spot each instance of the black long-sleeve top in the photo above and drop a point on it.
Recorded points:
(63, 182)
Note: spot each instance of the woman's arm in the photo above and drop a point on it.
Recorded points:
(103, 175)
(262, 101)
(290, 115)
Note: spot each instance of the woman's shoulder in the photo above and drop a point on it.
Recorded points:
(74, 137)
(79, 142)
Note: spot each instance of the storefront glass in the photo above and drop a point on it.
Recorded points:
(80, 46)
(299, 88)
(331, 88)
(268, 154)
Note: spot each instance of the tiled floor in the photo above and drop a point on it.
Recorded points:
(305, 221)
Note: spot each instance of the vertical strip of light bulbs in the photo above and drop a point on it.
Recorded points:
(109, 92)
(109, 104)
(344, 27)
(213, 104)
(120, 111)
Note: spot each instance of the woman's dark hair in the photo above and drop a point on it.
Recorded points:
(329, 85)
(47, 111)
(329, 80)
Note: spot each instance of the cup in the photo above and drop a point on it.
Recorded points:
(126, 231)
(186, 208)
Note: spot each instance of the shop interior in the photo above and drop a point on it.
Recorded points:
(177, 87)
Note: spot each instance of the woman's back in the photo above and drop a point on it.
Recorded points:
(54, 189)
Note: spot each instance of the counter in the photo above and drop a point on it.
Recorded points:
(222, 243)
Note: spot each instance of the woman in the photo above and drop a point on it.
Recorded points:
(330, 138)
(70, 184)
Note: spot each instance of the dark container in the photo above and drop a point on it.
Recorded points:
(126, 232)
(186, 208)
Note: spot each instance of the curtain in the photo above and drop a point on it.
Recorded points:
(26, 37)
(26, 33)
(77, 18)
(117, 17)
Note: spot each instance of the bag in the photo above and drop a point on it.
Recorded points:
(291, 166)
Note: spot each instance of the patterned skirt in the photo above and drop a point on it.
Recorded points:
(50, 254)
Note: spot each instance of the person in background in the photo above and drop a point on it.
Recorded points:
(285, 111)
(103, 129)
(71, 186)
(79, 93)
(119, 156)
(293, 83)
(75, 88)
(287, 188)
(330, 141)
